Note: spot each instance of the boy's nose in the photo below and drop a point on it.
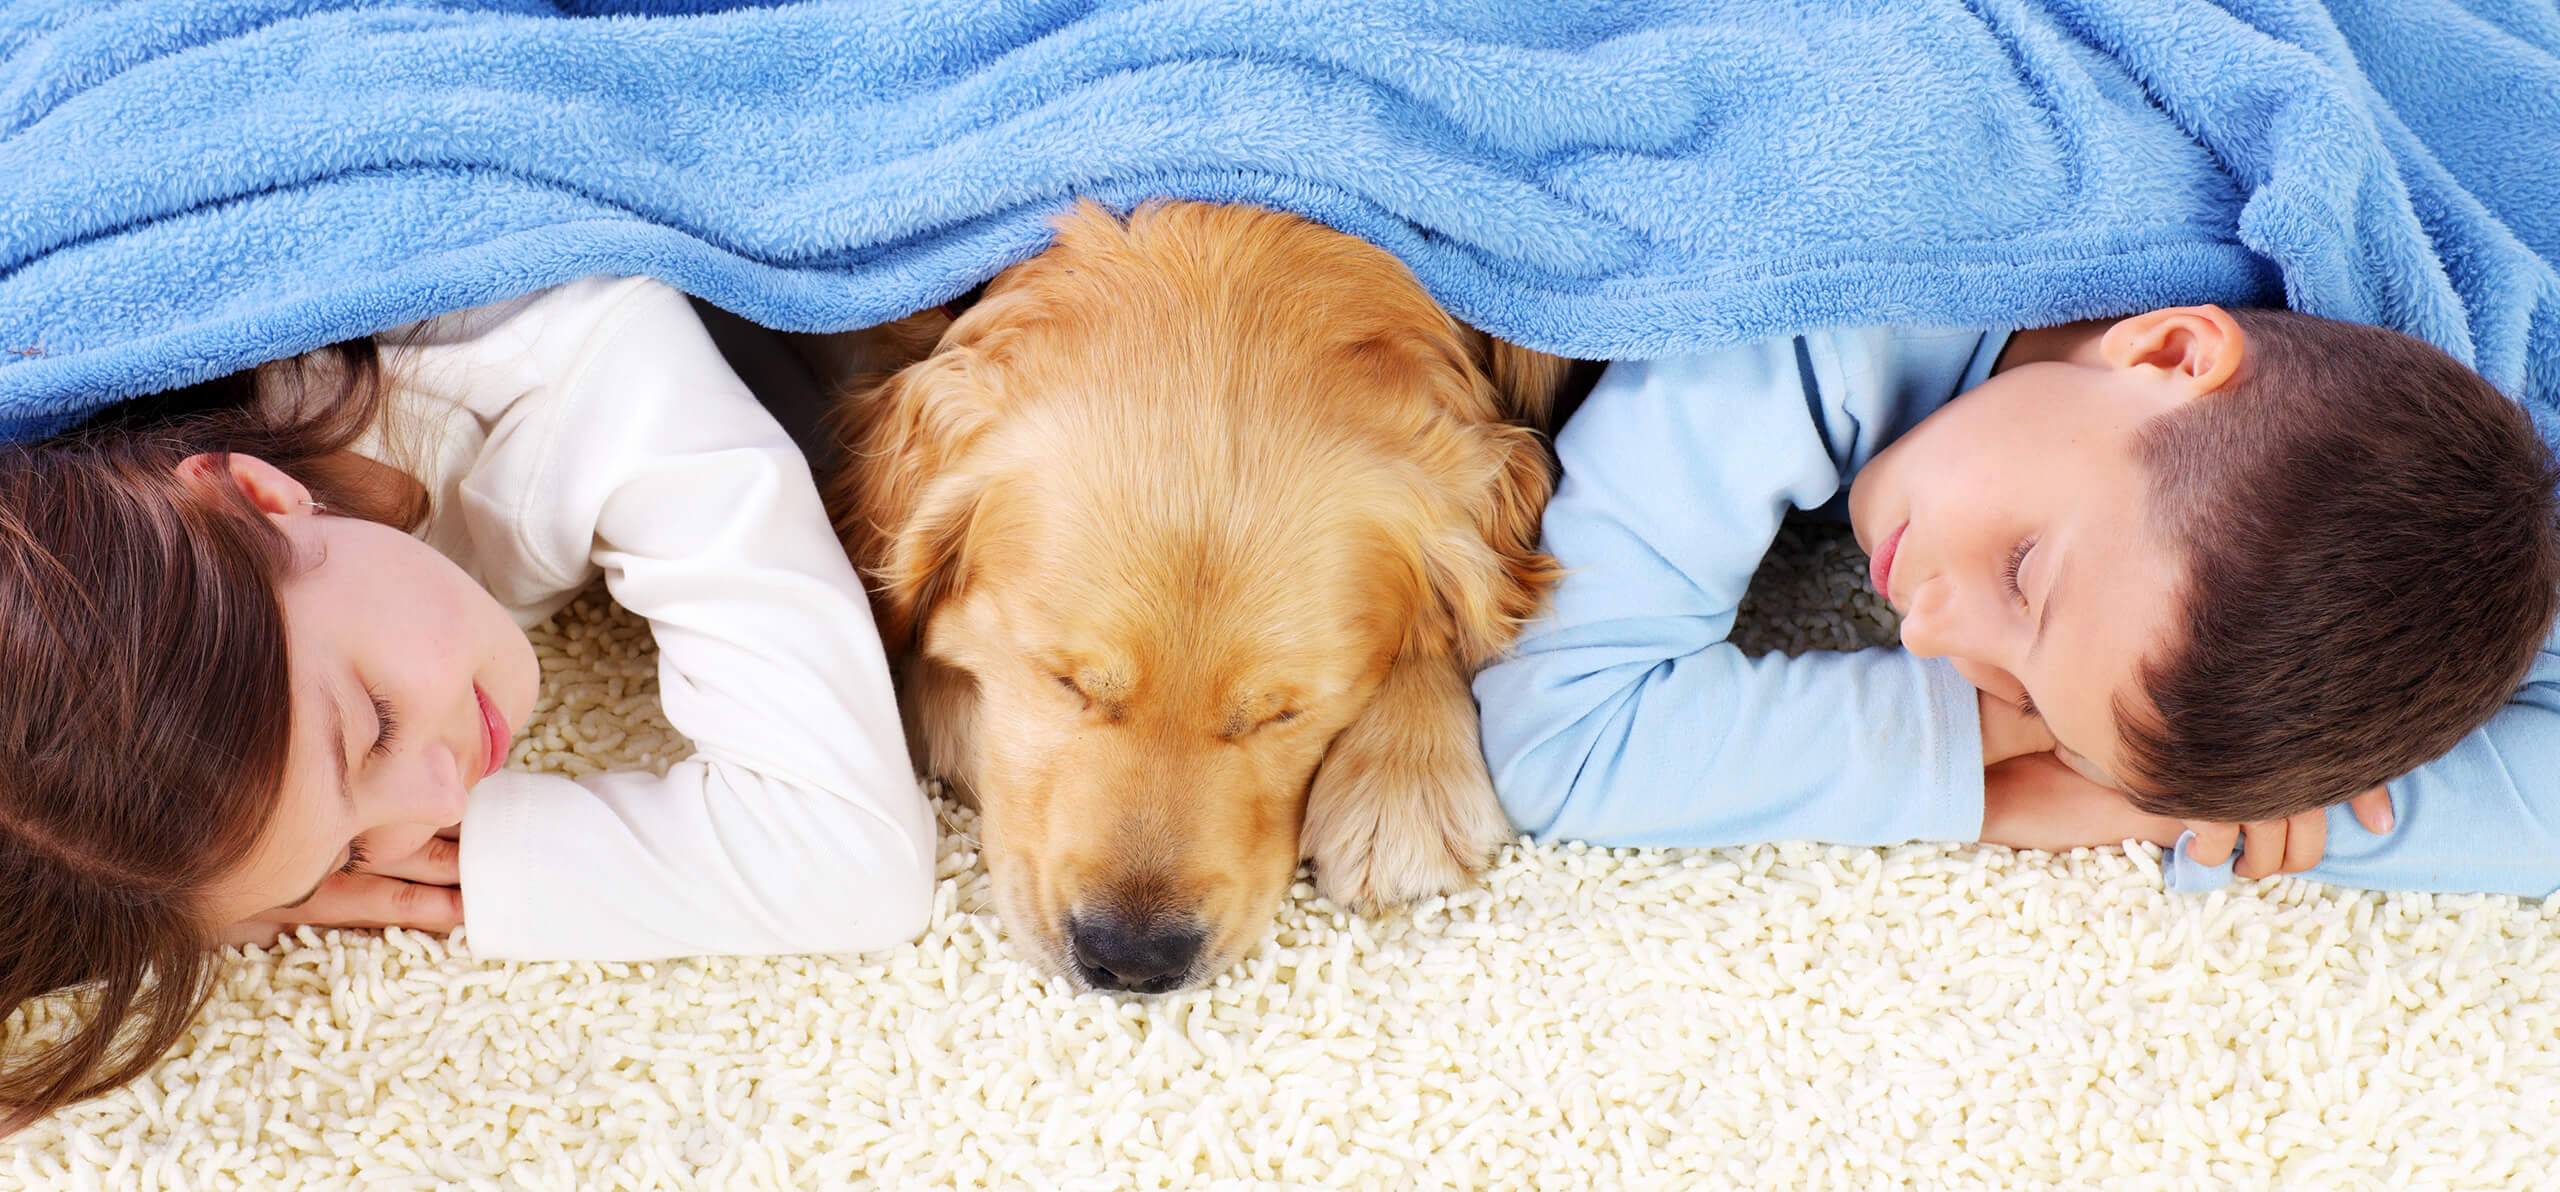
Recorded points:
(1927, 623)
(1945, 622)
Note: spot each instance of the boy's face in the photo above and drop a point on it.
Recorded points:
(2012, 529)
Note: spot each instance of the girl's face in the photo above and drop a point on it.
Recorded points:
(408, 681)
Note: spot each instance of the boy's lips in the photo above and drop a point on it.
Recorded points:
(1880, 564)
(494, 727)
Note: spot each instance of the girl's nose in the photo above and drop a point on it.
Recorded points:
(435, 792)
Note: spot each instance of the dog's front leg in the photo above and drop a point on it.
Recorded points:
(1402, 806)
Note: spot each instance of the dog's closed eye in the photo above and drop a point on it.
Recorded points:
(1241, 723)
(1105, 695)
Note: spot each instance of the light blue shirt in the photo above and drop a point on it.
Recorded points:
(1625, 716)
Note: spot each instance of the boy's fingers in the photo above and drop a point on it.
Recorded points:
(2213, 842)
(436, 863)
(371, 900)
(2305, 839)
(2373, 810)
(2262, 849)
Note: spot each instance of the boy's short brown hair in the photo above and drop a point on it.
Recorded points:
(2373, 559)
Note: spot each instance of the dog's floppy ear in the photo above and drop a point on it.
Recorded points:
(900, 500)
(1482, 560)
(1486, 476)
(1489, 477)
(1525, 383)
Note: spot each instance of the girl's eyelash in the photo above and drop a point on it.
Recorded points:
(2027, 704)
(355, 855)
(390, 724)
(2009, 575)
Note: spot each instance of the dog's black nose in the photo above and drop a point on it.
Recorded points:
(1148, 956)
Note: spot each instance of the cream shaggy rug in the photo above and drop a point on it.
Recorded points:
(1775, 1017)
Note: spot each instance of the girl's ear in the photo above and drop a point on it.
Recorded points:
(266, 485)
(2200, 348)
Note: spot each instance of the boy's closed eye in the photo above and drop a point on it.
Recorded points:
(2009, 574)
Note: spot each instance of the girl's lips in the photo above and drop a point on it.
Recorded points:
(494, 727)
(1880, 564)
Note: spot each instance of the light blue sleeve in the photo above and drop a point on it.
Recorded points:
(2484, 818)
(1625, 717)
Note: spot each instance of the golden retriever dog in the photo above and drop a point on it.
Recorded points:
(1188, 536)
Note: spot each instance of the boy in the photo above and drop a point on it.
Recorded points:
(2191, 567)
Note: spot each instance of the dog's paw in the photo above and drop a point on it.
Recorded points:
(1396, 847)
(1402, 807)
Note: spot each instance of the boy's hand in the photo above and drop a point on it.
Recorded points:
(2008, 732)
(2286, 845)
(420, 891)
(2035, 801)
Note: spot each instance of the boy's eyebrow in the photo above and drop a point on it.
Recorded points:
(2044, 611)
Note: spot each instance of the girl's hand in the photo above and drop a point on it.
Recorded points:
(2286, 845)
(420, 890)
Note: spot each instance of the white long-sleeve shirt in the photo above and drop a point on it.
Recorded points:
(594, 429)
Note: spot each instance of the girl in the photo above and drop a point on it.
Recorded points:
(256, 666)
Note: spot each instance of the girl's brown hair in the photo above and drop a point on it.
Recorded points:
(144, 705)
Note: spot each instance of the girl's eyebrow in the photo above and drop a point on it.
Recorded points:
(337, 732)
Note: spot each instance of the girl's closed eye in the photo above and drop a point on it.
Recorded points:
(355, 855)
(390, 731)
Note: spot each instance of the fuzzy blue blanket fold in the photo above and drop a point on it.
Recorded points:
(187, 188)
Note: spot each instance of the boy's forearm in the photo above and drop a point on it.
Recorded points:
(1700, 746)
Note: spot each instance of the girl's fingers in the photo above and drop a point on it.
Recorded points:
(438, 862)
(372, 900)
(255, 933)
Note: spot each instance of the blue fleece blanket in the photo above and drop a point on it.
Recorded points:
(187, 188)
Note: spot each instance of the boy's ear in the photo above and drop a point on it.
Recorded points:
(2200, 348)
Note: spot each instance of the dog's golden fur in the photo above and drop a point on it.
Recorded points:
(1188, 536)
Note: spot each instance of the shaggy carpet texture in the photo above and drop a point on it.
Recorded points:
(1786, 1016)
